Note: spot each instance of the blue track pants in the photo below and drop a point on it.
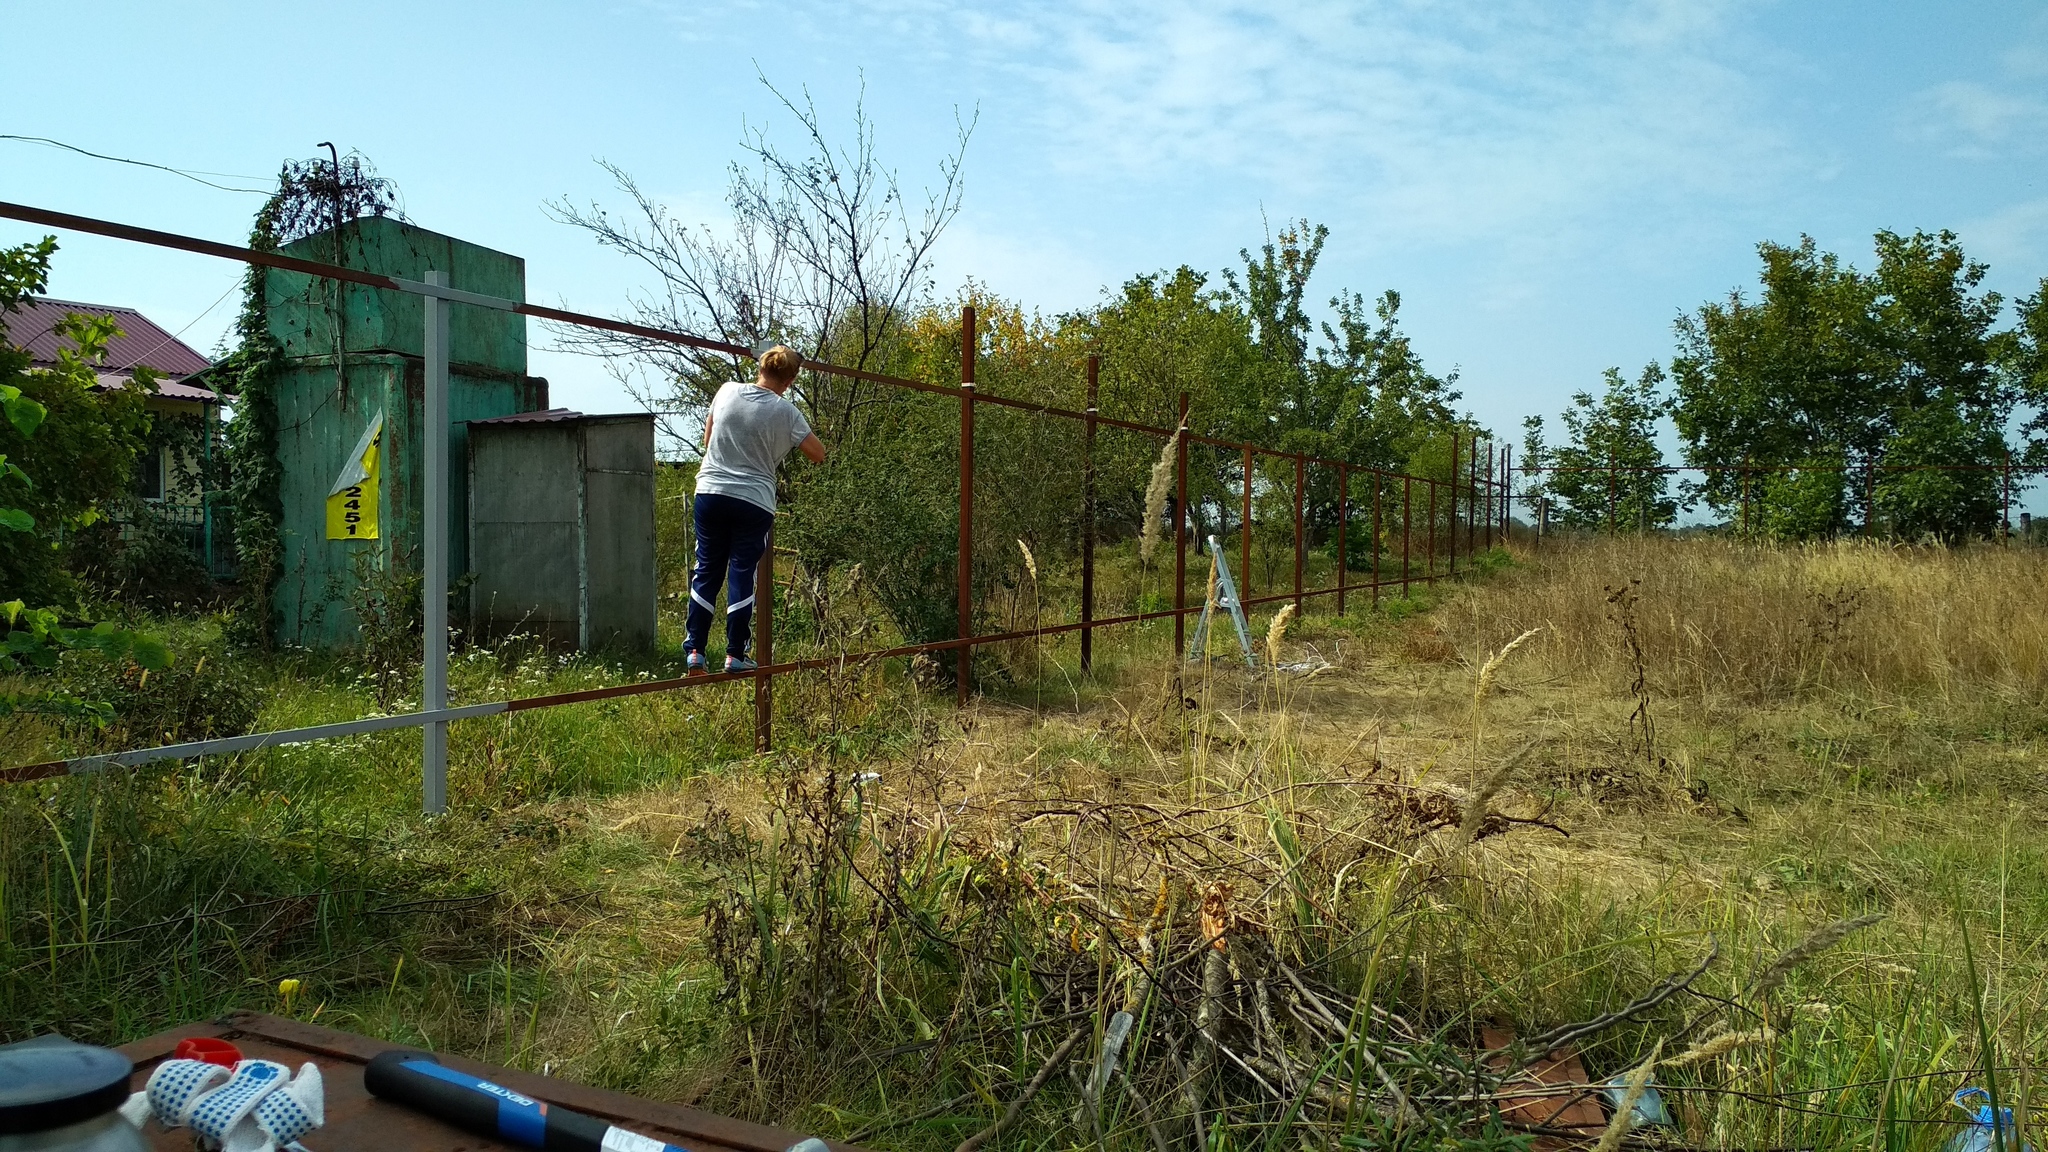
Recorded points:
(731, 535)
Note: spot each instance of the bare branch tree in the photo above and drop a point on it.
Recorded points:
(824, 254)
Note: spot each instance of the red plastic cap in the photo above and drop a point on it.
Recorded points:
(210, 1050)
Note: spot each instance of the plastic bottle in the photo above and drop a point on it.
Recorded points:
(58, 1096)
(1978, 1134)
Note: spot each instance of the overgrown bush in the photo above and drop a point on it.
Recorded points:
(138, 560)
(206, 694)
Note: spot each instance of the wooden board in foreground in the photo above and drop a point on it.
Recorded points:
(356, 1120)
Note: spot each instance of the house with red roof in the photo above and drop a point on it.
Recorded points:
(170, 477)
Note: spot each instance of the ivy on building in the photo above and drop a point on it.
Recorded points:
(312, 195)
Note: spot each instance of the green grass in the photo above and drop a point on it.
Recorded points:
(624, 893)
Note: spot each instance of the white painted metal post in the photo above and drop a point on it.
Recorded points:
(434, 590)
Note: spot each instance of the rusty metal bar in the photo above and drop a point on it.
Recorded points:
(1343, 519)
(1432, 532)
(94, 226)
(965, 564)
(1610, 493)
(1407, 520)
(1507, 494)
(1300, 537)
(2005, 504)
(1472, 500)
(1451, 519)
(1088, 519)
(261, 740)
(764, 646)
(1492, 495)
(1378, 482)
(1244, 540)
(1180, 535)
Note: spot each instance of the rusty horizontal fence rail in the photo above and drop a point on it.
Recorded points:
(1668, 469)
(1469, 491)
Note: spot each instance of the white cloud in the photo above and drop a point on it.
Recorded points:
(2013, 237)
(1043, 271)
(1458, 122)
(1970, 119)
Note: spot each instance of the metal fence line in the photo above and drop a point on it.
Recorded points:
(83, 765)
(434, 716)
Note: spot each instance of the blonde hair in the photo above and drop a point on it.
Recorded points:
(780, 364)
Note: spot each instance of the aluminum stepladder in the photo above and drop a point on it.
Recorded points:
(1222, 594)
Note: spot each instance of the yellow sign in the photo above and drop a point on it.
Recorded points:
(352, 505)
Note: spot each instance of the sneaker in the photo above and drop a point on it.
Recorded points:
(696, 662)
(739, 664)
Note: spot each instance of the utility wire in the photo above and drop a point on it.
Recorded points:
(165, 342)
(198, 176)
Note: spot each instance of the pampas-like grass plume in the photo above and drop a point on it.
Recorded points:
(1492, 665)
(1277, 632)
(1156, 491)
(1030, 561)
(1625, 1111)
(1818, 941)
(1715, 1047)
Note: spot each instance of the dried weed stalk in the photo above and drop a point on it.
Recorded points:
(1157, 489)
(1818, 941)
(1276, 632)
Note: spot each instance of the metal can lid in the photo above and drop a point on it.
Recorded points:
(50, 1081)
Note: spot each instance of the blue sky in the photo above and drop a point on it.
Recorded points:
(1547, 185)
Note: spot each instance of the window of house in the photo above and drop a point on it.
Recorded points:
(149, 474)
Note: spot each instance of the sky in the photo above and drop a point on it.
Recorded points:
(1548, 185)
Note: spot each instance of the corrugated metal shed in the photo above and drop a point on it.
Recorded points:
(561, 528)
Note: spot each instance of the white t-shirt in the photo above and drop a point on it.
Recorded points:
(752, 429)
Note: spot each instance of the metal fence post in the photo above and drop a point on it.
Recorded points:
(1300, 536)
(1472, 499)
(1180, 535)
(1088, 520)
(1378, 483)
(1244, 538)
(1869, 502)
(764, 645)
(1407, 519)
(965, 573)
(2005, 503)
(1507, 494)
(1343, 520)
(1610, 493)
(434, 588)
(1429, 547)
(1492, 496)
(1451, 521)
(1747, 462)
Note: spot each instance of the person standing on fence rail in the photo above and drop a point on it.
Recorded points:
(750, 428)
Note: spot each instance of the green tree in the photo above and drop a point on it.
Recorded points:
(36, 404)
(1867, 372)
(82, 452)
(2023, 358)
(1609, 473)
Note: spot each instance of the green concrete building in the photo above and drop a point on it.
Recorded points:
(354, 353)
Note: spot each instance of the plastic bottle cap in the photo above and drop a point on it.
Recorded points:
(49, 1082)
(209, 1050)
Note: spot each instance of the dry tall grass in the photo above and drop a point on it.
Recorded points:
(1757, 622)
